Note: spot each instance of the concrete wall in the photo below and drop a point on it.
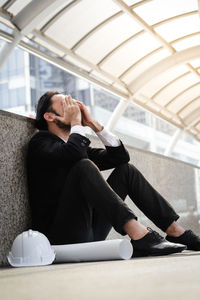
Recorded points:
(14, 209)
(173, 179)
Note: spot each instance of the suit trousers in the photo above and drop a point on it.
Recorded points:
(89, 206)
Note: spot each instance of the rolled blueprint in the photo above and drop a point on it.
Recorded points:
(94, 251)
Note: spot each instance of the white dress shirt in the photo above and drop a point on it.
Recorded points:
(107, 138)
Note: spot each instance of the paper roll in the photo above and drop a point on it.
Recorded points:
(94, 251)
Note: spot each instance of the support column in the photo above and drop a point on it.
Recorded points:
(27, 82)
(152, 133)
(119, 110)
(9, 47)
(92, 104)
(26, 20)
(197, 187)
(177, 135)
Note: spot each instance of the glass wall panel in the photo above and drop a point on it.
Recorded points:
(16, 81)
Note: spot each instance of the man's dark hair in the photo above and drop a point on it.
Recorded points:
(44, 105)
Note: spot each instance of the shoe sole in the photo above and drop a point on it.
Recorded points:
(157, 252)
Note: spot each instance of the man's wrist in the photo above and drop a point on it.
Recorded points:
(108, 138)
(78, 129)
(74, 123)
(96, 126)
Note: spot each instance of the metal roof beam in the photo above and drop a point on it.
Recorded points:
(165, 21)
(139, 99)
(2, 2)
(187, 105)
(69, 52)
(142, 100)
(63, 65)
(167, 85)
(5, 14)
(25, 21)
(182, 95)
(29, 17)
(108, 55)
(144, 25)
(151, 30)
(139, 61)
(99, 26)
(164, 65)
(95, 29)
(7, 3)
(196, 125)
(113, 51)
(193, 117)
(59, 14)
(154, 51)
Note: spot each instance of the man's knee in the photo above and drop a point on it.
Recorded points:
(85, 164)
(126, 168)
(123, 167)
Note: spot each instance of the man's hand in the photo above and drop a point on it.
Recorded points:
(87, 120)
(71, 112)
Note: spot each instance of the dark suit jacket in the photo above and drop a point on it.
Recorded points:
(48, 162)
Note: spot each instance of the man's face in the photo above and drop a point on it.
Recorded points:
(57, 106)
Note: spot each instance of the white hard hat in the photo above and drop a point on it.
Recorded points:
(31, 248)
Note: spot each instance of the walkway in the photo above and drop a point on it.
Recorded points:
(169, 277)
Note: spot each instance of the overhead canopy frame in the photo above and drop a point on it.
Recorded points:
(124, 46)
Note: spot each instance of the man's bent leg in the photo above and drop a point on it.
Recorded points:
(73, 217)
(128, 180)
(101, 226)
(84, 191)
(144, 242)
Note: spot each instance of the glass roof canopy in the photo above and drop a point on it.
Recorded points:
(147, 51)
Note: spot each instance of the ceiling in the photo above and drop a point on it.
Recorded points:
(147, 51)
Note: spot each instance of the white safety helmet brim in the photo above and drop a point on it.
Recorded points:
(31, 248)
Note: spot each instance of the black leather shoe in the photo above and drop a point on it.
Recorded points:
(188, 238)
(152, 244)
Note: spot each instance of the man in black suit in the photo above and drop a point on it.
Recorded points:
(70, 200)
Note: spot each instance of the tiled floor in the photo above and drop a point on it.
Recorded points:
(169, 277)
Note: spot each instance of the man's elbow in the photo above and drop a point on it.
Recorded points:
(78, 155)
(126, 158)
